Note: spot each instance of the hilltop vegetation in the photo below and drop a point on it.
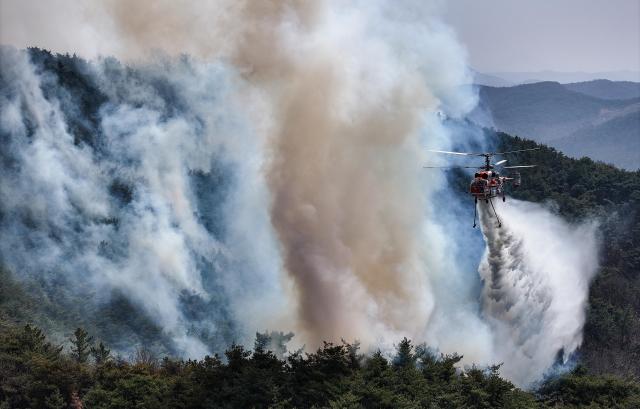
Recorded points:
(36, 373)
(584, 189)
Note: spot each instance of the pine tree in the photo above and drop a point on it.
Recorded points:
(81, 346)
(54, 401)
(404, 356)
(100, 353)
(262, 342)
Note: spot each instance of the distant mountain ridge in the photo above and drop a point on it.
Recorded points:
(607, 140)
(607, 89)
(564, 77)
(599, 119)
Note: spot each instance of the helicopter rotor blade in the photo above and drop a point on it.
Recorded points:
(458, 153)
(500, 162)
(450, 167)
(519, 166)
(483, 154)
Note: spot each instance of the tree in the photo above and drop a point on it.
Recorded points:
(404, 355)
(262, 342)
(101, 354)
(54, 401)
(81, 345)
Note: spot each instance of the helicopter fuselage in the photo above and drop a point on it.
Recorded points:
(488, 184)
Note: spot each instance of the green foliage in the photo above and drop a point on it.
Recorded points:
(36, 373)
(587, 190)
(80, 345)
(54, 401)
(101, 354)
(404, 356)
(579, 389)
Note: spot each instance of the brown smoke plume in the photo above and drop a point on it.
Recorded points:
(345, 206)
(342, 167)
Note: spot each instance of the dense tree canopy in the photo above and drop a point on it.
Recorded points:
(586, 190)
(36, 373)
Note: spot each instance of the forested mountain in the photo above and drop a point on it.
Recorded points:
(568, 118)
(607, 89)
(615, 141)
(57, 369)
(55, 297)
(584, 189)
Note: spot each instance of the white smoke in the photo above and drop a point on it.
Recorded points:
(536, 271)
(317, 113)
(153, 249)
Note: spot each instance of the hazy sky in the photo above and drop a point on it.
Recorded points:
(559, 35)
(500, 35)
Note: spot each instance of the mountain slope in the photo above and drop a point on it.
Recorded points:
(84, 248)
(566, 77)
(587, 190)
(549, 112)
(480, 78)
(603, 141)
(580, 188)
(606, 89)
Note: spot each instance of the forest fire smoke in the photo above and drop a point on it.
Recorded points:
(273, 179)
(342, 149)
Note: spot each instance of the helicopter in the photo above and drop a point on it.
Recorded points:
(487, 183)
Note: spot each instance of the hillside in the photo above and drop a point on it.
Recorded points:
(60, 295)
(59, 299)
(566, 77)
(606, 89)
(37, 373)
(551, 113)
(604, 141)
(583, 189)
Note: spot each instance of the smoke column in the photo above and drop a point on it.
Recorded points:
(536, 272)
(345, 186)
(316, 114)
(347, 86)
